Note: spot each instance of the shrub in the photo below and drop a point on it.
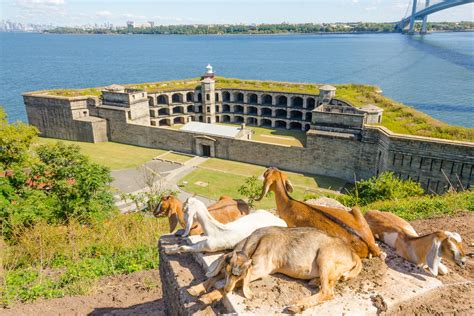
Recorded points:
(384, 187)
(251, 189)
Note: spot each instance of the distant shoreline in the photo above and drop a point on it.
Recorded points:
(237, 34)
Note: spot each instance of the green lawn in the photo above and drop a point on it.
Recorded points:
(276, 136)
(217, 177)
(176, 157)
(113, 155)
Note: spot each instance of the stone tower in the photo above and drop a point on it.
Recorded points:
(208, 89)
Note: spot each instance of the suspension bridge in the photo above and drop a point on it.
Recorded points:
(418, 10)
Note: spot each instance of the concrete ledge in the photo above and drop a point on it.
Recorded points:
(379, 287)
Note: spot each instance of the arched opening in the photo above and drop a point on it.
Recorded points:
(252, 121)
(266, 112)
(164, 122)
(252, 98)
(238, 119)
(280, 113)
(200, 109)
(297, 102)
(151, 101)
(267, 99)
(225, 118)
(177, 98)
(162, 99)
(309, 116)
(190, 96)
(238, 109)
(310, 103)
(218, 118)
(239, 97)
(179, 120)
(164, 111)
(200, 118)
(252, 110)
(178, 109)
(266, 122)
(226, 108)
(296, 125)
(280, 124)
(296, 115)
(226, 96)
(218, 109)
(307, 127)
(190, 108)
(199, 97)
(282, 100)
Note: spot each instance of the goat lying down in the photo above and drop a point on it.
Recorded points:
(427, 250)
(302, 252)
(221, 236)
(225, 210)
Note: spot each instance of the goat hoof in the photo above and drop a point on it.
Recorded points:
(171, 250)
(295, 309)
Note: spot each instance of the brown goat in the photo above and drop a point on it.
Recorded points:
(225, 210)
(349, 226)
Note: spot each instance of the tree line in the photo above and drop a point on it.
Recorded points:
(306, 28)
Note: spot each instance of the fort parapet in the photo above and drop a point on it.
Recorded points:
(340, 142)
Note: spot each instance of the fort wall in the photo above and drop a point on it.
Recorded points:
(339, 143)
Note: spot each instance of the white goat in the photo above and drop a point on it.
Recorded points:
(221, 236)
(427, 250)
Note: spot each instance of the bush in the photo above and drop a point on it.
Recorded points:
(384, 187)
(53, 260)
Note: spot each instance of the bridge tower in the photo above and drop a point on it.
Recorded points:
(425, 19)
(411, 29)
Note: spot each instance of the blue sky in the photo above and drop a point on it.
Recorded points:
(79, 12)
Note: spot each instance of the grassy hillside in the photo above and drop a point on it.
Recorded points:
(397, 117)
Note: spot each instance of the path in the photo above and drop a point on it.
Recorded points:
(164, 173)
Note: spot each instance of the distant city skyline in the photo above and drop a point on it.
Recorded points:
(165, 12)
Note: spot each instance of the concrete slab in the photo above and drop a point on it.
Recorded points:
(391, 284)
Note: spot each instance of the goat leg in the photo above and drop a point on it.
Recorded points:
(211, 297)
(205, 286)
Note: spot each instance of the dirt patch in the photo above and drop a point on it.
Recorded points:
(135, 293)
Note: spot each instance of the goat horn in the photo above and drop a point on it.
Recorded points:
(264, 192)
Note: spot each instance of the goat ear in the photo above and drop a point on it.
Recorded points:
(288, 186)
(433, 258)
(173, 220)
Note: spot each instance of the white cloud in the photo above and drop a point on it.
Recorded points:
(104, 13)
(31, 3)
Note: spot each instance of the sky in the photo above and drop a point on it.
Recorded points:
(117, 12)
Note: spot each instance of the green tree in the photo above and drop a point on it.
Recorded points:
(15, 140)
(251, 189)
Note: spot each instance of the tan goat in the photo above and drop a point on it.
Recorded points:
(427, 250)
(349, 226)
(225, 211)
(302, 253)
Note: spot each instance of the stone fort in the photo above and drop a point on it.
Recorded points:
(341, 140)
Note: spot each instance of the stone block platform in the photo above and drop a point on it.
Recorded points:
(379, 287)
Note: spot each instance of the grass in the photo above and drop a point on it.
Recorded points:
(225, 177)
(48, 261)
(427, 206)
(275, 136)
(113, 155)
(176, 157)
